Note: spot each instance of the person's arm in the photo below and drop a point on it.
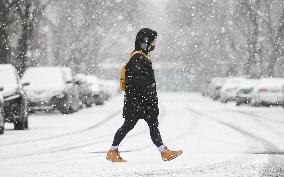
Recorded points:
(142, 76)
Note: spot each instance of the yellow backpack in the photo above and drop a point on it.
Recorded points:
(123, 68)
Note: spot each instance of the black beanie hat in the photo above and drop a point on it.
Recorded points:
(144, 38)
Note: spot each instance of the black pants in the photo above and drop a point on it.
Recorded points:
(129, 125)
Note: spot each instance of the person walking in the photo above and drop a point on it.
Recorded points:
(140, 99)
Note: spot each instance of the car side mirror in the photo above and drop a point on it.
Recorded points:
(26, 84)
(1, 88)
(69, 82)
(78, 82)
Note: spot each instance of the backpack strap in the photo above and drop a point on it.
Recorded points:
(138, 52)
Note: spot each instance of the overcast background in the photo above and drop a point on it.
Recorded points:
(198, 39)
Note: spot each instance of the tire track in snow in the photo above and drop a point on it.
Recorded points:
(96, 125)
(78, 146)
(260, 120)
(256, 115)
(276, 160)
(273, 166)
(188, 130)
(266, 143)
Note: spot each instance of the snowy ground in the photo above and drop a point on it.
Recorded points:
(217, 140)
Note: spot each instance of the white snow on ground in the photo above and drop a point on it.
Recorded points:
(217, 140)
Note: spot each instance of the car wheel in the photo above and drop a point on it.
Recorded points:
(64, 105)
(64, 108)
(27, 124)
(238, 103)
(23, 122)
(101, 102)
(89, 105)
(256, 104)
(2, 128)
(19, 125)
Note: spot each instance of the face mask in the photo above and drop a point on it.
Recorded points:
(152, 47)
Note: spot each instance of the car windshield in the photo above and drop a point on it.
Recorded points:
(43, 77)
(8, 79)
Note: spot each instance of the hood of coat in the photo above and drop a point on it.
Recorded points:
(144, 38)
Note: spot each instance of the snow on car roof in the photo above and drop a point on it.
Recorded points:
(43, 76)
(272, 82)
(233, 81)
(93, 80)
(247, 83)
(8, 78)
(67, 72)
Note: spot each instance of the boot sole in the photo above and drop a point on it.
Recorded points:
(114, 160)
(173, 157)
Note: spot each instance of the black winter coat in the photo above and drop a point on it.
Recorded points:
(140, 100)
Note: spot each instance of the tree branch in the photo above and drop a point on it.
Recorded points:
(20, 11)
(13, 3)
(38, 11)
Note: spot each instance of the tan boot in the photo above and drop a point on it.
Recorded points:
(168, 155)
(113, 155)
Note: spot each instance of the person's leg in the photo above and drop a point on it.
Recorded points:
(122, 131)
(166, 154)
(155, 132)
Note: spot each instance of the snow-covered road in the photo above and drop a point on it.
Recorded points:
(217, 140)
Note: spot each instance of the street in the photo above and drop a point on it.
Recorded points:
(217, 140)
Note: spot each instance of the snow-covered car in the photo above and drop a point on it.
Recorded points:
(15, 99)
(51, 88)
(2, 120)
(98, 95)
(229, 90)
(244, 91)
(269, 91)
(205, 88)
(109, 88)
(215, 86)
(85, 91)
(90, 92)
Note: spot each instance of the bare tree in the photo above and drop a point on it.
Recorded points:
(275, 25)
(29, 12)
(5, 20)
(246, 19)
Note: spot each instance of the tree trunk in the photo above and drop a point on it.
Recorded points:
(5, 46)
(252, 43)
(275, 54)
(24, 41)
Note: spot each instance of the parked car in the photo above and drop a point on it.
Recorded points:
(98, 94)
(51, 88)
(85, 91)
(229, 90)
(205, 88)
(2, 120)
(215, 86)
(15, 99)
(269, 91)
(244, 91)
(109, 88)
(90, 91)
